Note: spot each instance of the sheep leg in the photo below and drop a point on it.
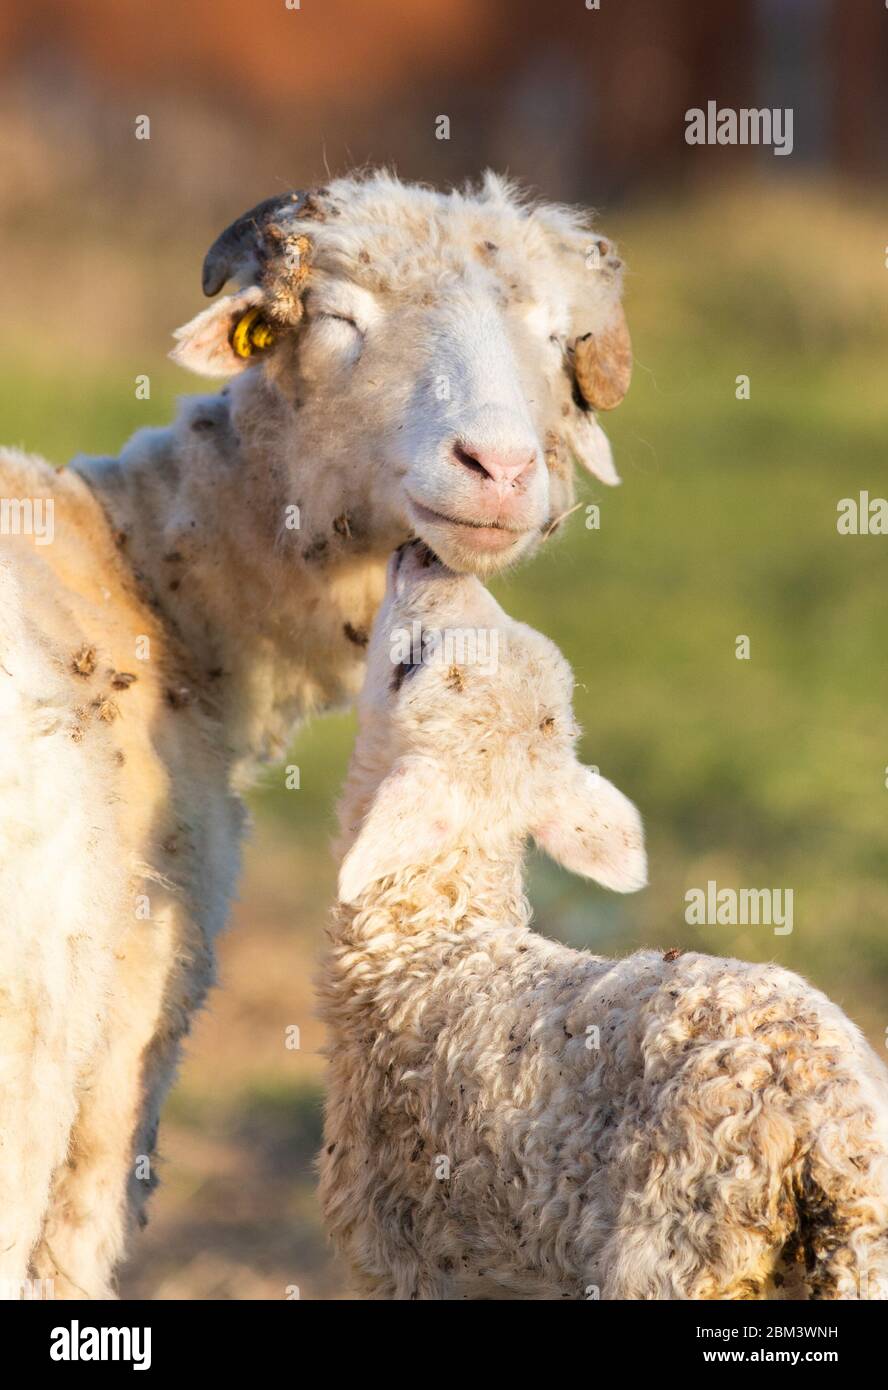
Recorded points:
(662, 1260)
(101, 1191)
(708, 1206)
(37, 1108)
(842, 1194)
(741, 1190)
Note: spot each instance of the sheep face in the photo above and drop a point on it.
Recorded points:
(467, 740)
(437, 349)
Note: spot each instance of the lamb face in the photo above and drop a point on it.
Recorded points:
(451, 676)
(447, 351)
(467, 740)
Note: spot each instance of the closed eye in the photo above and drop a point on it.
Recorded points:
(334, 338)
(338, 318)
(402, 671)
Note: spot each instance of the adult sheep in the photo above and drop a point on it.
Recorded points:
(407, 361)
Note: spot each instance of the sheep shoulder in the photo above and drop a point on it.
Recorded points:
(113, 852)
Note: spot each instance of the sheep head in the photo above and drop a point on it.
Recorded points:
(459, 345)
(468, 741)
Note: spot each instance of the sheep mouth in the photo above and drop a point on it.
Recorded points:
(492, 535)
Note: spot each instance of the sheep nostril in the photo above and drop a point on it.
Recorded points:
(468, 460)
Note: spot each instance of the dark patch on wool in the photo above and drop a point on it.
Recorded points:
(179, 697)
(83, 662)
(456, 680)
(578, 398)
(316, 549)
(821, 1232)
(358, 635)
(105, 709)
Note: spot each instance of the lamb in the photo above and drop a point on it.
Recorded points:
(403, 361)
(511, 1118)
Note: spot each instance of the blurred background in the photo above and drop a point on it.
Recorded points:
(769, 772)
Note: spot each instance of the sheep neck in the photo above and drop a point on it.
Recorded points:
(409, 928)
(274, 621)
(462, 895)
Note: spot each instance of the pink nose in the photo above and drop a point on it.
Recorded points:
(502, 464)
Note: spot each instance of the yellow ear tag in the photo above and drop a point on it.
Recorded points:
(251, 334)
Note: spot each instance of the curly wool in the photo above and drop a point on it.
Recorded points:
(723, 1133)
(508, 1117)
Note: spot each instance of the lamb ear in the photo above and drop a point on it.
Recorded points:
(412, 817)
(207, 345)
(591, 828)
(590, 447)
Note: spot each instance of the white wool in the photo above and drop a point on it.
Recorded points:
(510, 1118)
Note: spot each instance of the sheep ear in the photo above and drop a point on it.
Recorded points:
(590, 447)
(603, 359)
(224, 338)
(591, 828)
(413, 816)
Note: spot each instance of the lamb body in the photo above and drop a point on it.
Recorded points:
(511, 1118)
